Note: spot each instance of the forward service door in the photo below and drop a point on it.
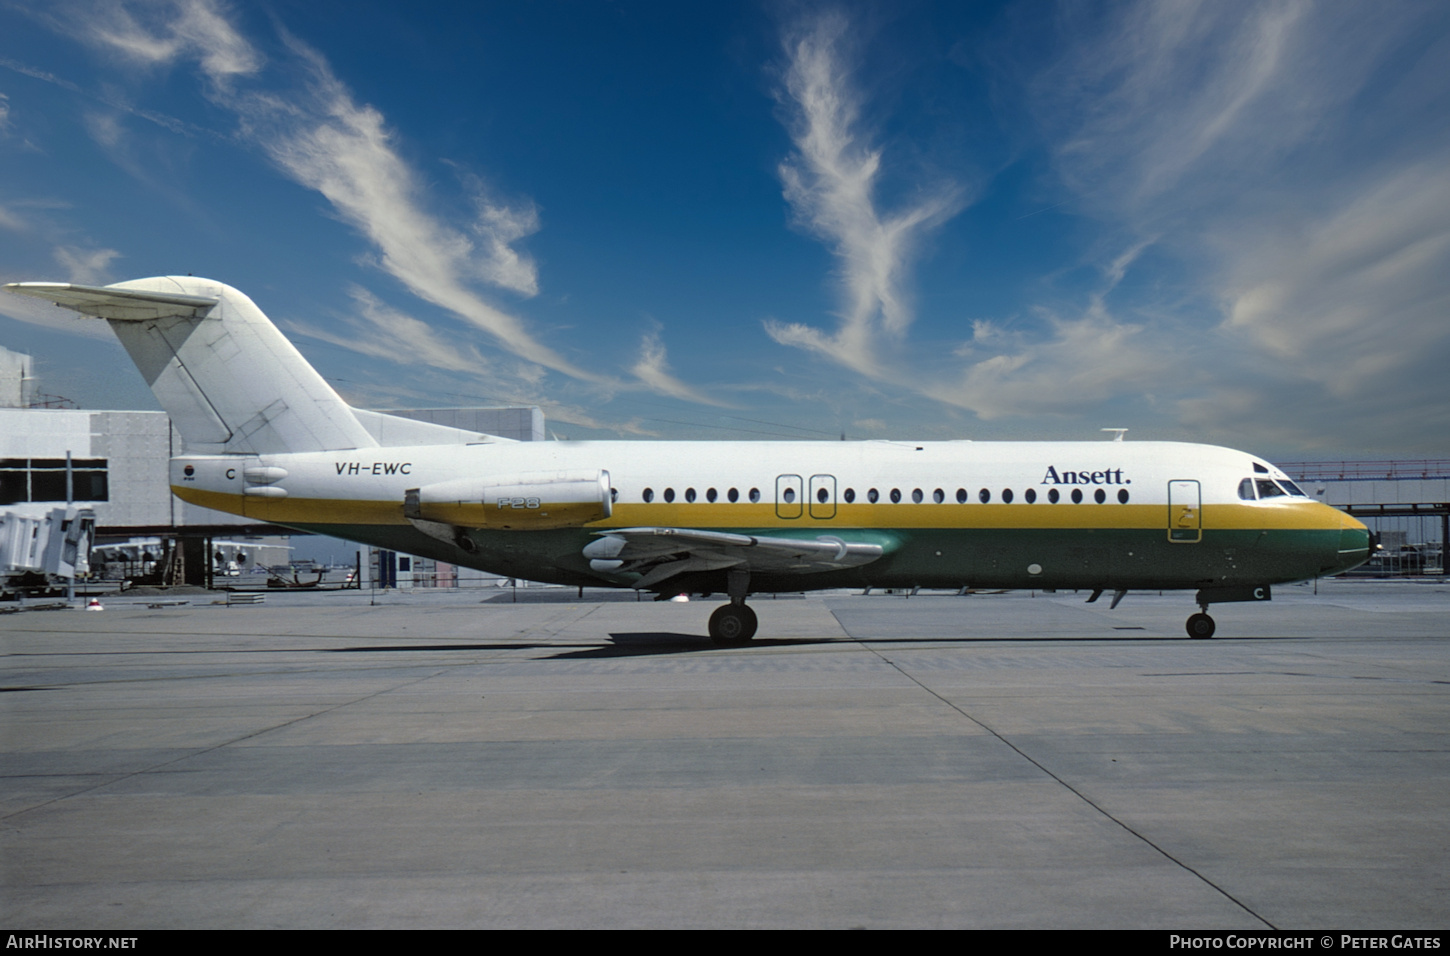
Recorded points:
(1185, 511)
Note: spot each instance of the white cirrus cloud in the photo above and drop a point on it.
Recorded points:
(321, 138)
(1286, 160)
(378, 330)
(85, 266)
(830, 182)
(652, 369)
(161, 33)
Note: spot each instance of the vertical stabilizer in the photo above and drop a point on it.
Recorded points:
(230, 381)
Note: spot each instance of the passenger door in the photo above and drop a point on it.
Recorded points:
(823, 496)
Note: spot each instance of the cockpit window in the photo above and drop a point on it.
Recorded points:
(1267, 489)
(1292, 488)
(1246, 489)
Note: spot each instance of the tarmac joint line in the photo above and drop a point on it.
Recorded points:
(1070, 788)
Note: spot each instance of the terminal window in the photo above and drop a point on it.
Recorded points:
(43, 479)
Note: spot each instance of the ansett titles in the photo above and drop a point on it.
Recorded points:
(1110, 476)
(373, 468)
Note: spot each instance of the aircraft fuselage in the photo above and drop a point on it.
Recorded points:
(1112, 515)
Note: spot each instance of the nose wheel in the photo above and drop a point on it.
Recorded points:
(1200, 626)
(732, 624)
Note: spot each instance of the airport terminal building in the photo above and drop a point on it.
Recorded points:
(115, 464)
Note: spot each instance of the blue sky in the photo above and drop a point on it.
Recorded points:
(1208, 221)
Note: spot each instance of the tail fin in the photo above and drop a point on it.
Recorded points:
(230, 381)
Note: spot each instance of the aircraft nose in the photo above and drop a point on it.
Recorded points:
(1354, 543)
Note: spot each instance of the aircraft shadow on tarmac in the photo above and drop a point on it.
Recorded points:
(625, 644)
(654, 643)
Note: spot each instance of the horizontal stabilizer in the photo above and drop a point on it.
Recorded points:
(230, 381)
(110, 303)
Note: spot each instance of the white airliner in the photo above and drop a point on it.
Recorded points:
(266, 437)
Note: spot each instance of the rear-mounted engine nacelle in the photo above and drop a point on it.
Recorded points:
(524, 502)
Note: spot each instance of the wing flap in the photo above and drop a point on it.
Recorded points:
(109, 303)
(661, 553)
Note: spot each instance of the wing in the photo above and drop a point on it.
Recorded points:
(111, 303)
(659, 554)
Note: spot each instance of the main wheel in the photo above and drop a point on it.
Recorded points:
(732, 624)
(1200, 625)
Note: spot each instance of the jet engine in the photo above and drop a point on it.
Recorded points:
(533, 501)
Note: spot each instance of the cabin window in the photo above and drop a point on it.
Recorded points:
(1030, 494)
(669, 494)
(1007, 495)
(649, 495)
(896, 496)
(689, 494)
(961, 496)
(873, 496)
(613, 495)
(733, 495)
(984, 496)
(1052, 495)
(916, 496)
(710, 495)
(1077, 496)
(849, 495)
(1100, 496)
(754, 495)
(789, 495)
(1122, 496)
(938, 496)
(822, 495)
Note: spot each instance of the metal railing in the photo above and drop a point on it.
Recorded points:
(1366, 470)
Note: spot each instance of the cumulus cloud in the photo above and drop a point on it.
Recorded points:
(830, 182)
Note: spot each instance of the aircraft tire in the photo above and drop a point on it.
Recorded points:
(1201, 626)
(732, 624)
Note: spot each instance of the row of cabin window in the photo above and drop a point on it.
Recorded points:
(711, 494)
(849, 495)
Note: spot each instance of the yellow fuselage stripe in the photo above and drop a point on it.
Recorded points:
(1220, 517)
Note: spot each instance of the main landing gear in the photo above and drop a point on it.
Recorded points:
(734, 623)
(1200, 625)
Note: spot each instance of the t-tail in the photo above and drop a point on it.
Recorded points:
(230, 381)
